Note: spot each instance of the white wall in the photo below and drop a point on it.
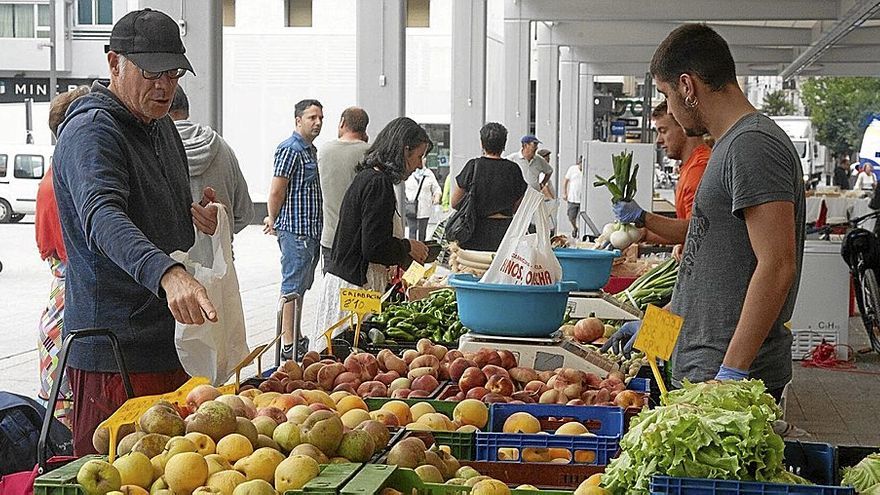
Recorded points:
(429, 67)
(12, 123)
(495, 61)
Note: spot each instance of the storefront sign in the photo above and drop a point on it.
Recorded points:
(18, 89)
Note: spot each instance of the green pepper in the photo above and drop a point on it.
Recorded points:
(407, 327)
(400, 334)
(394, 321)
(376, 336)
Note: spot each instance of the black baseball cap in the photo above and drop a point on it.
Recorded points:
(150, 39)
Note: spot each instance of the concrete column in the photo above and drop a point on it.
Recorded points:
(201, 28)
(568, 127)
(517, 55)
(468, 81)
(381, 60)
(547, 95)
(585, 108)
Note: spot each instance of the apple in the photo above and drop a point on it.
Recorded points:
(99, 477)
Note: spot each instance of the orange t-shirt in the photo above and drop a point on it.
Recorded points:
(689, 177)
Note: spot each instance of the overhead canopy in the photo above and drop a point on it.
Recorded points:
(780, 37)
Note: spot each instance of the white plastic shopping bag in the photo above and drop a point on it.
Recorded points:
(523, 258)
(213, 350)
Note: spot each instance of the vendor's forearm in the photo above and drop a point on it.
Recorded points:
(273, 204)
(767, 292)
(673, 230)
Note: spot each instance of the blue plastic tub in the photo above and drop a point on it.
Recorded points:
(590, 268)
(698, 486)
(595, 451)
(510, 310)
(606, 421)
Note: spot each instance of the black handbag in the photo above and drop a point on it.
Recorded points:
(412, 207)
(460, 225)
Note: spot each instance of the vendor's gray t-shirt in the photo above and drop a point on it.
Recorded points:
(752, 164)
(337, 163)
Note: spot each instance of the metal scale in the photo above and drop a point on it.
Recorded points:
(555, 351)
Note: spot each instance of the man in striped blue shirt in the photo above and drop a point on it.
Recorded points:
(294, 207)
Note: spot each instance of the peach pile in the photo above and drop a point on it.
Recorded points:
(493, 376)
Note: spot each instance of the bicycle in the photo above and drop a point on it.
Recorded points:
(860, 250)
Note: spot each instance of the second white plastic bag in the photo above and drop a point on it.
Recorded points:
(523, 258)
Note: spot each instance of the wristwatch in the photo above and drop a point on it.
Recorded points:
(640, 222)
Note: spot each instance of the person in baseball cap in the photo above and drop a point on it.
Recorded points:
(535, 169)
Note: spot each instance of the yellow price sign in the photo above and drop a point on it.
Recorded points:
(657, 337)
(414, 273)
(360, 301)
(658, 333)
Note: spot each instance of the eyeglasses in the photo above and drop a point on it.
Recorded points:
(172, 73)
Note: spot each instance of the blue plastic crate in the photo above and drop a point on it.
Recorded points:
(816, 462)
(642, 385)
(661, 485)
(602, 448)
(606, 421)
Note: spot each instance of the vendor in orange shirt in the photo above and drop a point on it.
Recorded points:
(694, 155)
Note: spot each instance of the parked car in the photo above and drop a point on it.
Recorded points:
(21, 168)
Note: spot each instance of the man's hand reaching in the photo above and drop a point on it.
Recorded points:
(187, 298)
(204, 214)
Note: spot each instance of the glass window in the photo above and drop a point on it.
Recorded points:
(42, 20)
(84, 12)
(28, 167)
(229, 12)
(92, 12)
(299, 13)
(801, 147)
(105, 12)
(418, 13)
(17, 20)
(2, 165)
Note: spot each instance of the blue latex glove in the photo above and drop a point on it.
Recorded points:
(726, 373)
(623, 339)
(627, 211)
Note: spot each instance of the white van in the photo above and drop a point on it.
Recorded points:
(21, 168)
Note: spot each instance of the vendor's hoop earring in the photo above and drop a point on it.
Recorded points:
(691, 101)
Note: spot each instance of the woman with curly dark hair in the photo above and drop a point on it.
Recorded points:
(366, 243)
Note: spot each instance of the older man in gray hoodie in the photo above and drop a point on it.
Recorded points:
(212, 164)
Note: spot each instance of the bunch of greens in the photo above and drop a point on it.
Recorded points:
(864, 476)
(707, 430)
(621, 185)
(654, 287)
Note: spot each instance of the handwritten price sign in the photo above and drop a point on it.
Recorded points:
(360, 301)
(414, 273)
(659, 332)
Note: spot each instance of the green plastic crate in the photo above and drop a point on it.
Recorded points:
(62, 481)
(373, 478)
(330, 480)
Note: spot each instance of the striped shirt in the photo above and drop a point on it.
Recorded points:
(300, 213)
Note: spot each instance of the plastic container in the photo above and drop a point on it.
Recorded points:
(543, 475)
(605, 421)
(592, 450)
(816, 462)
(330, 479)
(62, 481)
(697, 486)
(590, 268)
(849, 456)
(511, 310)
(373, 478)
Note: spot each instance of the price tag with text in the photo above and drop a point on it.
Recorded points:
(658, 333)
(360, 301)
(414, 273)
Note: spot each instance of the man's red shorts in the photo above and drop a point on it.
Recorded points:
(97, 395)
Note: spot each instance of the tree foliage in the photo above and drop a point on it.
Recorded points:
(838, 107)
(776, 103)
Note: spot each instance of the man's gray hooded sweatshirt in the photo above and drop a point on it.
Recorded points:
(123, 196)
(212, 163)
